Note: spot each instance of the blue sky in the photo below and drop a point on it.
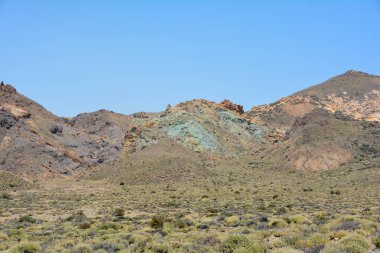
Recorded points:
(127, 56)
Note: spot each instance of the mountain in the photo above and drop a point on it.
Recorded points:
(36, 142)
(326, 126)
(353, 94)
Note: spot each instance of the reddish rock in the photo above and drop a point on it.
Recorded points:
(231, 106)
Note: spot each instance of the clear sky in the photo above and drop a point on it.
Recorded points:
(77, 56)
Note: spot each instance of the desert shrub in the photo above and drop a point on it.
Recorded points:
(138, 243)
(157, 221)
(3, 236)
(167, 228)
(376, 241)
(162, 248)
(293, 239)
(26, 247)
(253, 248)
(107, 225)
(78, 218)
(27, 218)
(232, 221)
(314, 249)
(281, 210)
(201, 245)
(353, 244)
(263, 218)
(226, 213)
(182, 223)
(299, 219)
(278, 223)
(119, 212)
(109, 245)
(233, 243)
(84, 225)
(314, 244)
(320, 219)
(82, 248)
(286, 250)
(337, 235)
(212, 210)
(203, 226)
(208, 241)
(348, 225)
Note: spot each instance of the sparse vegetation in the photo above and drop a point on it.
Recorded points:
(93, 216)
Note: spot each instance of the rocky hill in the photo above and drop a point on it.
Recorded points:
(325, 126)
(36, 142)
(353, 94)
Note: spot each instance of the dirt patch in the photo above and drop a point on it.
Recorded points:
(322, 156)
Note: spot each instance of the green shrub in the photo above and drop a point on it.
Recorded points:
(162, 248)
(281, 210)
(27, 218)
(26, 247)
(82, 248)
(376, 241)
(138, 243)
(314, 243)
(182, 223)
(157, 221)
(353, 244)
(320, 219)
(233, 243)
(232, 221)
(107, 225)
(278, 223)
(253, 248)
(299, 219)
(84, 225)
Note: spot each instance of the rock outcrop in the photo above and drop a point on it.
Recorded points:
(232, 107)
(7, 88)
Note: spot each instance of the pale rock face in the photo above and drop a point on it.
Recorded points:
(17, 111)
(367, 109)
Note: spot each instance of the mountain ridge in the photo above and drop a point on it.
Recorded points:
(36, 142)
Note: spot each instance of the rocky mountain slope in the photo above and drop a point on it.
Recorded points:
(353, 94)
(36, 142)
(325, 126)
